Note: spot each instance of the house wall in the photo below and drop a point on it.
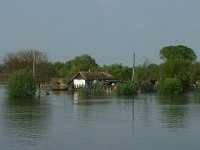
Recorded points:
(79, 83)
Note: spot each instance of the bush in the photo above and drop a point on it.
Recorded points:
(126, 89)
(91, 92)
(21, 84)
(169, 86)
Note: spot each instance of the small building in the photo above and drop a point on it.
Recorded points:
(91, 79)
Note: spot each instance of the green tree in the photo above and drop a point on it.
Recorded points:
(21, 84)
(169, 86)
(153, 71)
(57, 68)
(79, 63)
(195, 72)
(141, 74)
(84, 62)
(177, 53)
(176, 67)
(118, 71)
(146, 72)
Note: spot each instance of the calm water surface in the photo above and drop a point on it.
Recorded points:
(61, 121)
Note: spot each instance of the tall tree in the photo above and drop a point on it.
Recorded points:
(56, 69)
(119, 71)
(176, 67)
(146, 72)
(178, 60)
(79, 63)
(177, 53)
(26, 59)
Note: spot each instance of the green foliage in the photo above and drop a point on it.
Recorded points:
(84, 62)
(56, 69)
(119, 71)
(169, 86)
(145, 73)
(195, 72)
(174, 68)
(80, 63)
(72, 67)
(178, 52)
(153, 71)
(21, 84)
(91, 92)
(126, 89)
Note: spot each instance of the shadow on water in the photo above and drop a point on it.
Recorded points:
(26, 118)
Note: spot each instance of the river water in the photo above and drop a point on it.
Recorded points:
(61, 121)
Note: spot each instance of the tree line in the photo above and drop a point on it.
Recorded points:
(178, 70)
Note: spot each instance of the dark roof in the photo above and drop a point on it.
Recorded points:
(94, 76)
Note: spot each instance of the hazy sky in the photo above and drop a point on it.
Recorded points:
(108, 30)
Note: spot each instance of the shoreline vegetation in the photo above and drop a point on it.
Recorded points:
(177, 74)
(120, 89)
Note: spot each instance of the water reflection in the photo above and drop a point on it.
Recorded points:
(146, 121)
(98, 111)
(25, 118)
(173, 100)
(174, 111)
(59, 92)
(143, 111)
(89, 110)
(194, 97)
(89, 100)
(125, 99)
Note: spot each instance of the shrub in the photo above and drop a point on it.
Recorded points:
(126, 89)
(169, 86)
(21, 84)
(91, 92)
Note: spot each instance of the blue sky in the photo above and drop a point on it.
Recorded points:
(108, 30)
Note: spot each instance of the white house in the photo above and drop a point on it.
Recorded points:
(90, 79)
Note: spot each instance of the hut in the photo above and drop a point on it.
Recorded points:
(91, 79)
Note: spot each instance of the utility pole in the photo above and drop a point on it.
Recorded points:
(133, 73)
